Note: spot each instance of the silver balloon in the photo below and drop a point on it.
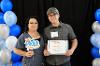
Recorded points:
(96, 62)
(4, 31)
(5, 56)
(96, 27)
(6, 65)
(2, 44)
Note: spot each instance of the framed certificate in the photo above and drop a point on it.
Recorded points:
(57, 47)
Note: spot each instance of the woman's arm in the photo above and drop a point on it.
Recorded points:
(23, 53)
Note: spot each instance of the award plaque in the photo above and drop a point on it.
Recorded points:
(57, 47)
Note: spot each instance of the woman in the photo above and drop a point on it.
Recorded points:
(30, 44)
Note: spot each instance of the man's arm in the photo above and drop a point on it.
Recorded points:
(73, 47)
(74, 44)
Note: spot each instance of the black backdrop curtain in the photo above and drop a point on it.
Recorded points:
(78, 13)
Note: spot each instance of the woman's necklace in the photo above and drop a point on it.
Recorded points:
(34, 35)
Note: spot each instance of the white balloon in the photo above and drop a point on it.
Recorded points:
(10, 18)
(96, 27)
(96, 62)
(95, 40)
(11, 41)
(4, 31)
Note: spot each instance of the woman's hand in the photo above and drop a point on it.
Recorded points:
(29, 53)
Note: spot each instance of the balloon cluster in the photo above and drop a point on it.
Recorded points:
(9, 31)
(95, 39)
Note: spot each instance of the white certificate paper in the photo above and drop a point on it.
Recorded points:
(57, 47)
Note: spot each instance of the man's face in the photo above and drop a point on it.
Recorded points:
(53, 18)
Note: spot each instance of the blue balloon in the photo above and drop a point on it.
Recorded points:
(15, 30)
(1, 18)
(6, 5)
(5, 0)
(15, 57)
(17, 64)
(95, 52)
(10, 18)
(95, 40)
(97, 15)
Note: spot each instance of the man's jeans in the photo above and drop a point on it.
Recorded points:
(65, 64)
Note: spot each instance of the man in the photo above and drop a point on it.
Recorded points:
(58, 31)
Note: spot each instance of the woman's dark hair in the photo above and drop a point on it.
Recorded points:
(27, 22)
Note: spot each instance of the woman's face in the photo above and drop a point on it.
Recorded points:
(33, 24)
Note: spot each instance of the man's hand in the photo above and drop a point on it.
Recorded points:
(46, 53)
(69, 52)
